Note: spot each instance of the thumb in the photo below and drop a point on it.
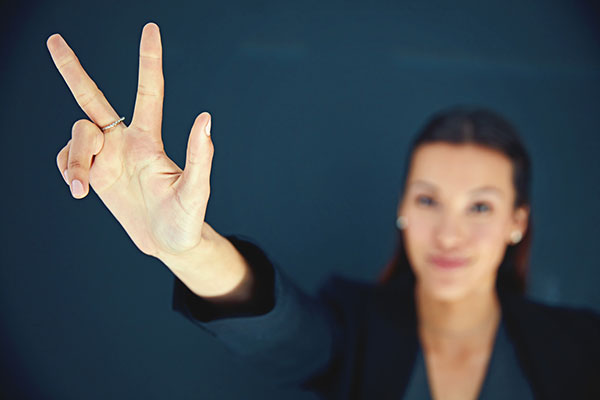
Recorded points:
(193, 186)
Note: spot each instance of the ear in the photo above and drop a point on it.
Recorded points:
(520, 220)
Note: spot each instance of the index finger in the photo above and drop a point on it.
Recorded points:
(86, 93)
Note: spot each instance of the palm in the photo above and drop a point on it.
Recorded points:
(161, 207)
(137, 187)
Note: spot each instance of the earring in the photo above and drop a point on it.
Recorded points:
(401, 222)
(516, 236)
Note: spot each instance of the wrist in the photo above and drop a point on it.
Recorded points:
(214, 270)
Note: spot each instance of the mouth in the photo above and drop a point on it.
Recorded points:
(448, 262)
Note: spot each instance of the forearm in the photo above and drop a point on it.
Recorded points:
(216, 270)
(289, 336)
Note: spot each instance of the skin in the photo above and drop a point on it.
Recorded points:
(459, 202)
(161, 207)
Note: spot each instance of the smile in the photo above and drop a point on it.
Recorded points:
(448, 262)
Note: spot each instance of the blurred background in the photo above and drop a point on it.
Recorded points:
(314, 104)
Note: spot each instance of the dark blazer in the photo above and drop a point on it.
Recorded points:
(359, 341)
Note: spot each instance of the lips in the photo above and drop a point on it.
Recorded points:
(448, 262)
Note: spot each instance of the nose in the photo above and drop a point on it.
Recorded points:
(449, 233)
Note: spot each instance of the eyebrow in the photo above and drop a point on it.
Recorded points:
(482, 189)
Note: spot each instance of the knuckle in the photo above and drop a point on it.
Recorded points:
(87, 97)
(75, 164)
(201, 156)
(193, 158)
(81, 128)
(78, 126)
(145, 90)
(67, 62)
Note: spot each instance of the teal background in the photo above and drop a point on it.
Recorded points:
(314, 104)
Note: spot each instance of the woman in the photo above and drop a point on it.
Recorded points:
(449, 319)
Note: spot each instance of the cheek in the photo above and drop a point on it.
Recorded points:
(421, 229)
(487, 234)
(489, 242)
(491, 233)
(418, 238)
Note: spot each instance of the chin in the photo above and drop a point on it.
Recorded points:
(444, 289)
(445, 293)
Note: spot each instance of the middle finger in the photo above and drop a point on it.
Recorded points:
(149, 100)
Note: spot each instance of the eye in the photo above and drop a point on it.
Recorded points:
(425, 201)
(481, 208)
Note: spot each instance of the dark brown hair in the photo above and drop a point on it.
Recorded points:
(483, 127)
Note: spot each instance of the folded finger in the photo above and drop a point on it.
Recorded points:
(86, 142)
(86, 93)
(61, 161)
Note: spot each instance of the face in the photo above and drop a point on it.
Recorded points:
(459, 207)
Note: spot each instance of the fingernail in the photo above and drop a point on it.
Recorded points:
(76, 188)
(207, 128)
(66, 176)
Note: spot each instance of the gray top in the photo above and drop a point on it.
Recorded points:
(504, 377)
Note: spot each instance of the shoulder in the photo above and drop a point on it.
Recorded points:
(563, 321)
(565, 331)
(558, 346)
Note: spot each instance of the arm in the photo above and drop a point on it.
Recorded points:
(253, 297)
(290, 336)
(162, 208)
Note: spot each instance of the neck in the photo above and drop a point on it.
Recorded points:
(471, 321)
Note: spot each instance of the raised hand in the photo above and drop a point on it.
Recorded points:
(161, 207)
